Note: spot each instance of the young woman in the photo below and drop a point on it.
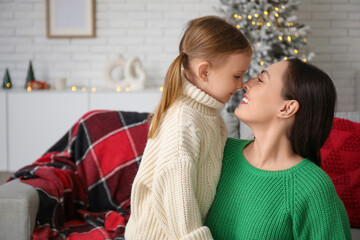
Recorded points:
(272, 187)
(176, 182)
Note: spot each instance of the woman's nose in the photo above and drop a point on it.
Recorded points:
(247, 85)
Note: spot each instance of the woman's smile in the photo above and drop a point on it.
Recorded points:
(245, 100)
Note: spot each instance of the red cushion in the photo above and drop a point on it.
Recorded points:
(341, 161)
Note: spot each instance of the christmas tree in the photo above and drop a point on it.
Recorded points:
(7, 80)
(272, 29)
(30, 75)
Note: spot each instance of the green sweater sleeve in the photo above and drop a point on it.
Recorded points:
(318, 212)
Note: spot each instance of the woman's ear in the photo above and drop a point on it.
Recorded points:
(288, 109)
(202, 71)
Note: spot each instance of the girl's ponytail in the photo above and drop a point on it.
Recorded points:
(172, 90)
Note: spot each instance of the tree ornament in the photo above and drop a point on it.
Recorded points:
(30, 76)
(7, 80)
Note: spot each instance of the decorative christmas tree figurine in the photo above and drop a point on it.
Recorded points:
(7, 80)
(30, 76)
(272, 29)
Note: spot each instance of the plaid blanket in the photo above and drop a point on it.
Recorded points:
(84, 180)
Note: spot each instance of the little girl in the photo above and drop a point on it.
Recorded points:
(177, 179)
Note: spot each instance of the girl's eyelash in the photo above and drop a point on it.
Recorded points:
(259, 80)
(237, 77)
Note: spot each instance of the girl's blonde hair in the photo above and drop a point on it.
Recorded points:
(208, 38)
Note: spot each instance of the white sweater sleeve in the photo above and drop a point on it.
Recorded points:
(174, 187)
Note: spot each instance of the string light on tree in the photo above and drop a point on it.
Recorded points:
(274, 25)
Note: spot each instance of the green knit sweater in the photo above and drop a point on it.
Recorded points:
(296, 203)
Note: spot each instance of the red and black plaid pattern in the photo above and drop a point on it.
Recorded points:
(84, 180)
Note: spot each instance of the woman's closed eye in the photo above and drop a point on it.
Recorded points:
(237, 77)
(259, 79)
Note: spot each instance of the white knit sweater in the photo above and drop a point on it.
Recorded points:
(177, 179)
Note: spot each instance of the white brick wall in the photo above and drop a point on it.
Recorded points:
(335, 39)
(151, 30)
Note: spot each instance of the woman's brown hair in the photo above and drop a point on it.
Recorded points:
(316, 94)
(207, 38)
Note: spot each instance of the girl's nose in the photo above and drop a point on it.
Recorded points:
(240, 85)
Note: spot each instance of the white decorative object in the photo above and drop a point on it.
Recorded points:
(60, 83)
(134, 75)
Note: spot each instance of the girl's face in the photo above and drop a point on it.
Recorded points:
(263, 99)
(225, 78)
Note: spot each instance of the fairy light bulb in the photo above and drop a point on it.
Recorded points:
(304, 59)
(276, 15)
(240, 17)
(73, 89)
(296, 51)
(261, 63)
(235, 15)
(161, 89)
(93, 89)
(280, 38)
(253, 22)
(276, 9)
(256, 15)
(29, 89)
(249, 17)
(289, 38)
(283, 6)
(118, 89)
(238, 26)
(8, 85)
(285, 58)
(268, 24)
(127, 89)
(258, 44)
(266, 12)
(83, 89)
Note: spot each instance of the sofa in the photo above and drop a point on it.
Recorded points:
(26, 208)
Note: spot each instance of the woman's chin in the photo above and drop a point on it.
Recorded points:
(239, 113)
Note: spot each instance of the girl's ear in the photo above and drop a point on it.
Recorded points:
(288, 109)
(202, 71)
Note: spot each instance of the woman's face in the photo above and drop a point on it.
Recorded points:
(263, 99)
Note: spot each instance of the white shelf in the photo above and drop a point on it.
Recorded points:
(31, 122)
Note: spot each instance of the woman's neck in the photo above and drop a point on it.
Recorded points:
(271, 149)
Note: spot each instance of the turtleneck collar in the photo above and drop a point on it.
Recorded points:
(200, 96)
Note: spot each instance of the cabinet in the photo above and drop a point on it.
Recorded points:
(31, 122)
(3, 132)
